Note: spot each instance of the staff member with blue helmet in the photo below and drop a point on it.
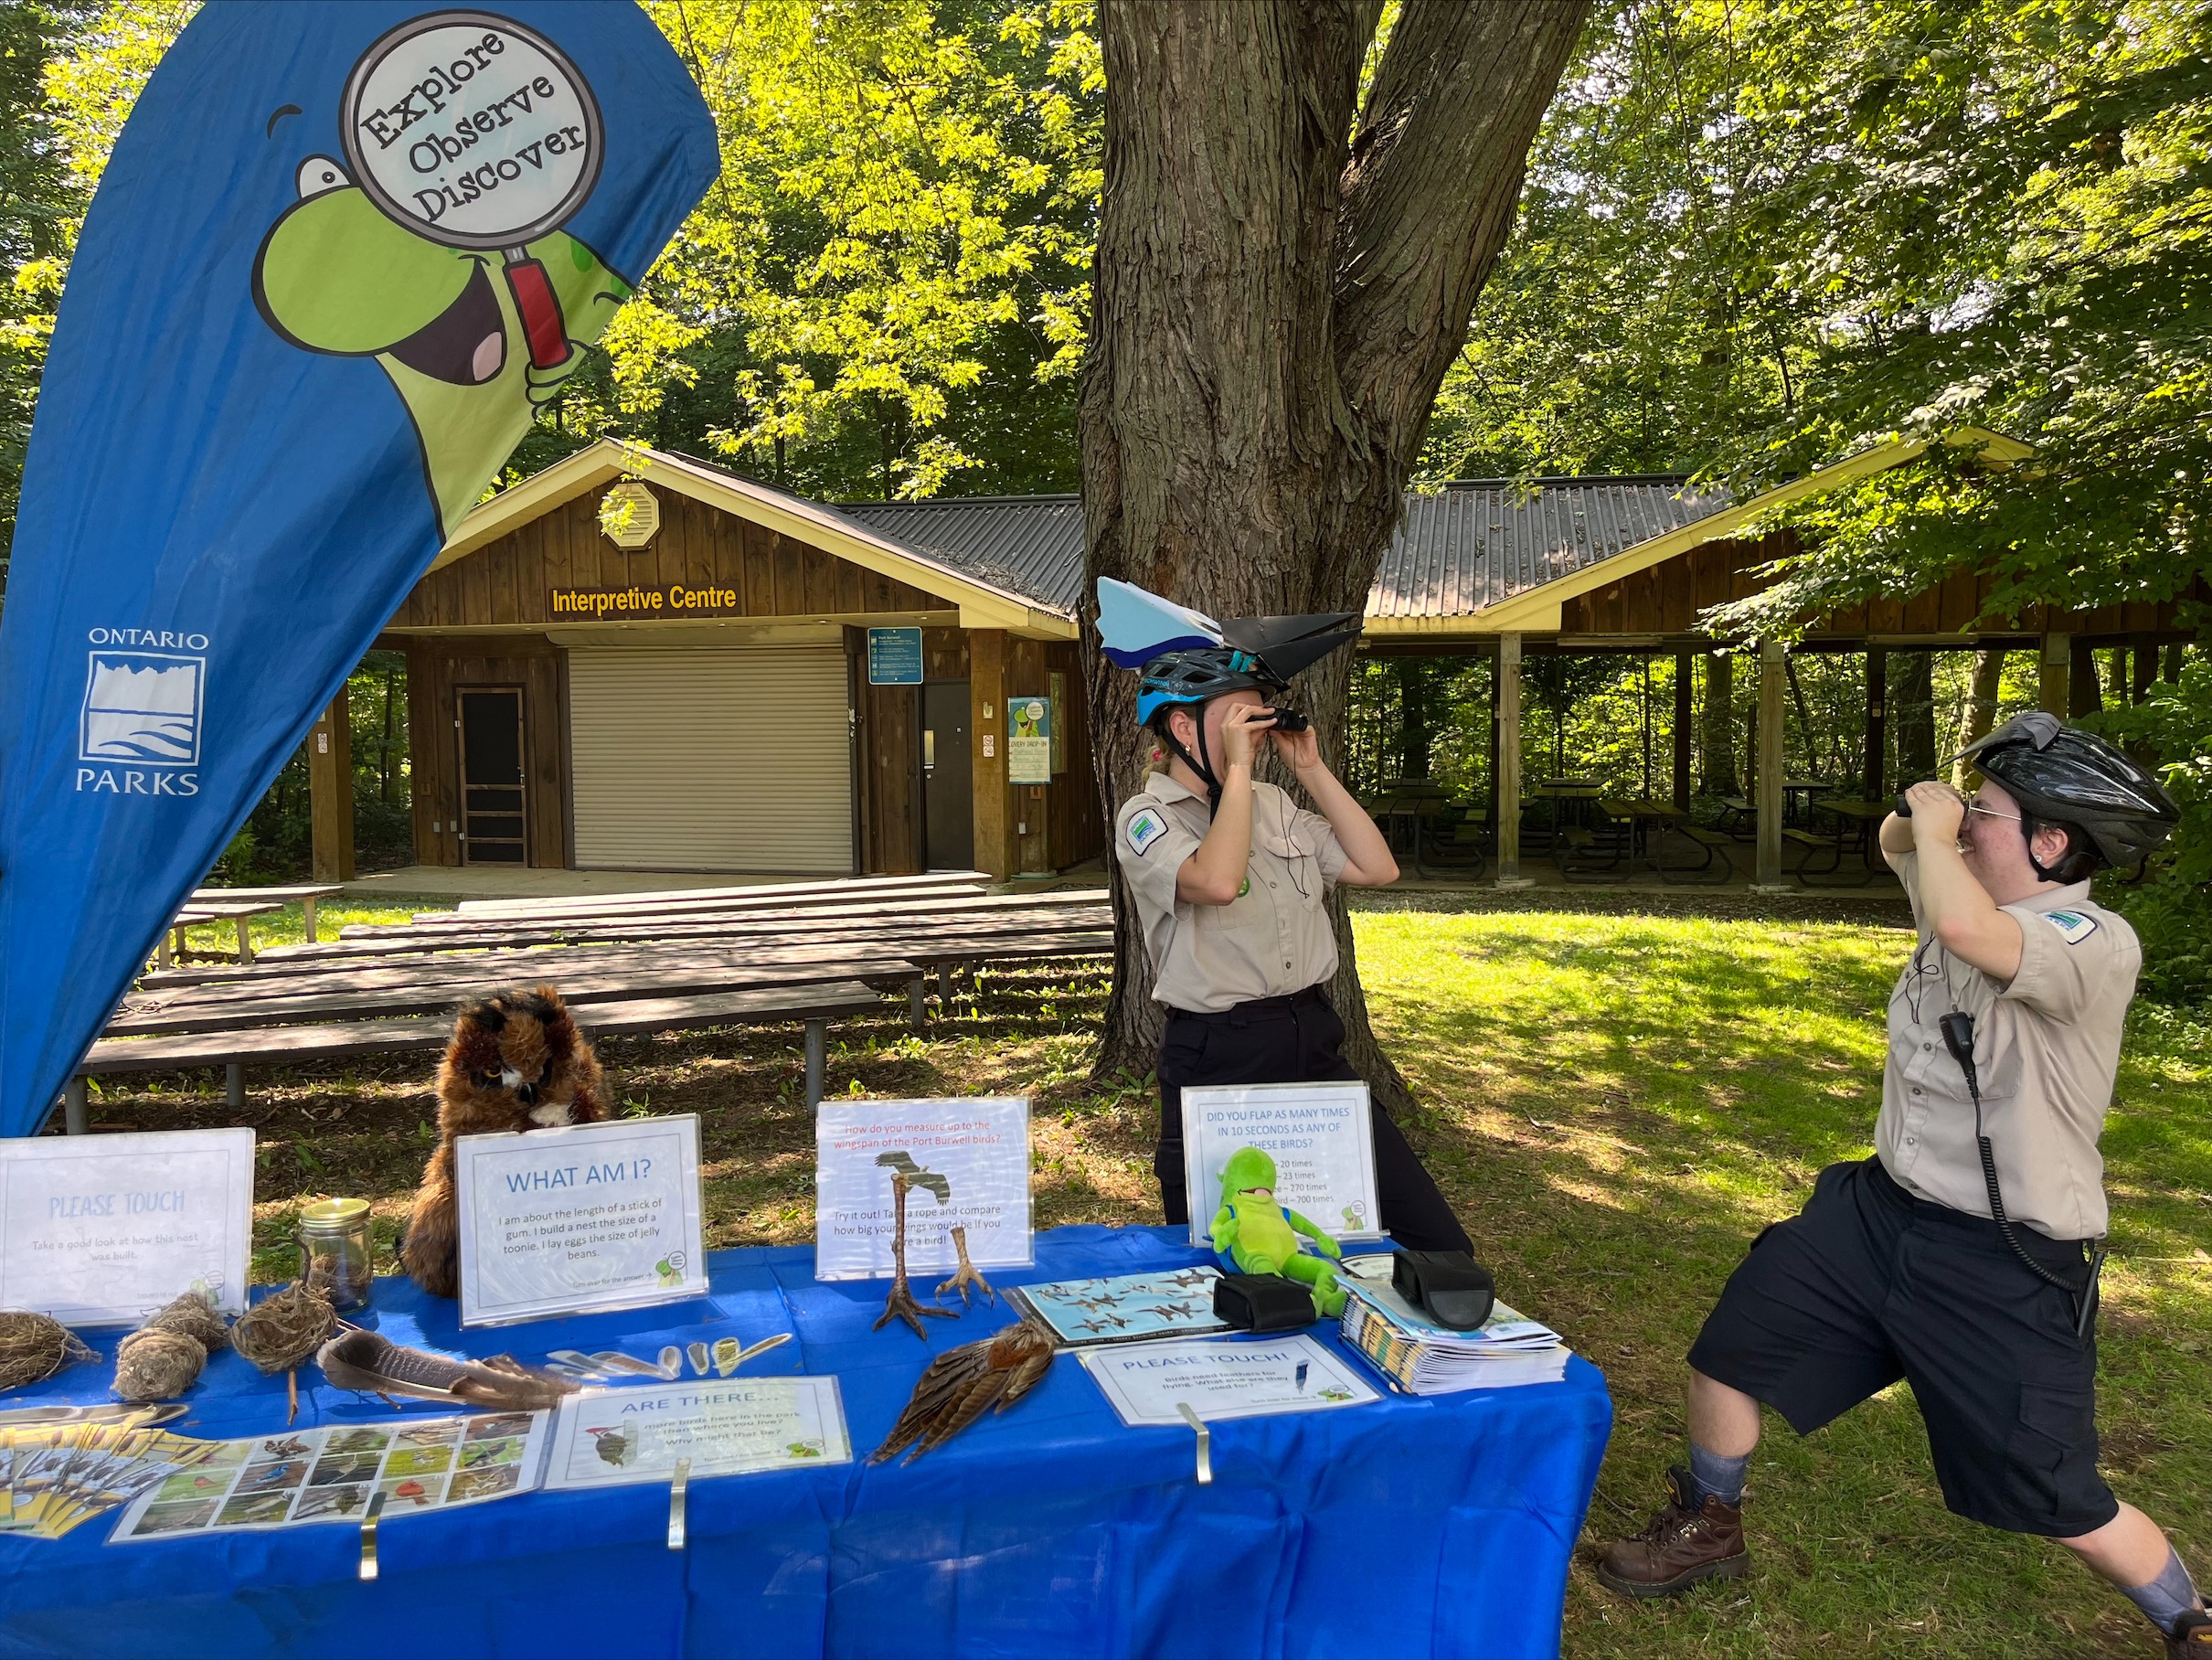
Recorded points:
(1230, 878)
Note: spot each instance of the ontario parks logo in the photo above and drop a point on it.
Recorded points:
(144, 695)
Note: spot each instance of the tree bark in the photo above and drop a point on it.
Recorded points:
(1718, 739)
(1912, 703)
(1978, 708)
(1282, 277)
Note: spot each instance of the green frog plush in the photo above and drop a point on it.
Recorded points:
(1261, 1237)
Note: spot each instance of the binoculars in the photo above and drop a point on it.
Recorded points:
(1287, 720)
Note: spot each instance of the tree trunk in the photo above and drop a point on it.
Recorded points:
(1718, 739)
(1275, 299)
(1912, 703)
(1978, 708)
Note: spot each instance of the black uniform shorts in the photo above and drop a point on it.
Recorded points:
(1293, 1040)
(1868, 1284)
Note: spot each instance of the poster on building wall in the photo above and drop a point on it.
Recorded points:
(1029, 747)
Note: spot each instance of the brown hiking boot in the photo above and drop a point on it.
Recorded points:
(1682, 1546)
(2192, 1639)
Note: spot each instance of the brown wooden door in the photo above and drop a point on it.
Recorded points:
(495, 806)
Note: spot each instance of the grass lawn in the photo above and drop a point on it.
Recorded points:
(1617, 1101)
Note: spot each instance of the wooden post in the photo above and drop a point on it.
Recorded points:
(1878, 709)
(1769, 800)
(1683, 718)
(330, 788)
(75, 1117)
(1507, 779)
(2084, 693)
(987, 758)
(2058, 656)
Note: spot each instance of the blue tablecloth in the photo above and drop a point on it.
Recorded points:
(1411, 1527)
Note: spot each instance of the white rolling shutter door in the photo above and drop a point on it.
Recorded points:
(711, 758)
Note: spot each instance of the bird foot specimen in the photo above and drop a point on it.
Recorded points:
(966, 1275)
(994, 1372)
(901, 1300)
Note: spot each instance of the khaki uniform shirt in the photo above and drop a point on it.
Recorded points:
(2046, 1045)
(1272, 940)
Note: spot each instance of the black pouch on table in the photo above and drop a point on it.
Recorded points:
(1264, 1303)
(1450, 1286)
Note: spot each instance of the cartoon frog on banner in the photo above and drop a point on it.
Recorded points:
(1258, 1236)
(337, 275)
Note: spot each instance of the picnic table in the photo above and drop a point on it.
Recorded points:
(240, 905)
(1797, 791)
(1856, 821)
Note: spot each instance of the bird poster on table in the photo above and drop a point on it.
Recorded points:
(1126, 1308)
(329, 1474)
(962, 1164)
(607, 1439)
(341, 258)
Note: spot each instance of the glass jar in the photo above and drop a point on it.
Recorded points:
(337, 1251)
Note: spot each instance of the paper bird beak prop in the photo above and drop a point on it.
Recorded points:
(1134, 627)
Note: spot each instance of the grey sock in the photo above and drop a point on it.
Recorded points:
(2166, 1598)
(1713, 1476)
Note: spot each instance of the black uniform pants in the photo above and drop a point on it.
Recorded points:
(1868, 1284)
(1293, 1040)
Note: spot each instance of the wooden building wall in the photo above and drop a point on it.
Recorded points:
(435, 666)
(511, 580)
(1667, 598)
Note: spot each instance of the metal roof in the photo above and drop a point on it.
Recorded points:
(1468, 545)
(1032, 544)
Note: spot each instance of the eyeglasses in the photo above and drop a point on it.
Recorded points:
(1973, 805)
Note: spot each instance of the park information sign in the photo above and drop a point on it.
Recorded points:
(966, 1164)
(895, 656)
(340, 259)
(102, 1231)
(584, 1218)
(1319, 1136)
(1029, 745)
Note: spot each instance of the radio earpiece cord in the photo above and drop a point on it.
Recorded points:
(1959, 1039)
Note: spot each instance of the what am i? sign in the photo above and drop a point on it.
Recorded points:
(589, 1217)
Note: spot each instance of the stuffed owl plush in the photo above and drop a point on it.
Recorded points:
(516, 1062)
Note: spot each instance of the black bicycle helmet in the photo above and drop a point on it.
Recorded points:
(2061, 774)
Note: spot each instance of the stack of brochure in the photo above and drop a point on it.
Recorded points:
(1421, 1358)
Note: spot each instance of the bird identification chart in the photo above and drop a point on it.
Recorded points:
(1150, 1383)
(103, 1229)
(329, 1474)
(603, 1439)
(967, 1165)
(1318, 1134)
(1125, 1308)
(582, 1219)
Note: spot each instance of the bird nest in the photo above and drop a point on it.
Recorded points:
(283, 1331)
(33, 1347)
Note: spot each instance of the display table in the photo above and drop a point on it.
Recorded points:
(1411, 1527)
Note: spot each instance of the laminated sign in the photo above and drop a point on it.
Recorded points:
(1318, 1134)
(341, 258)
(967, 1165)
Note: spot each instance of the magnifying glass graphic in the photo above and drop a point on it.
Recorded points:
(475, 131)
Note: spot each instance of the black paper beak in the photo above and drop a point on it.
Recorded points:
(1287, 644)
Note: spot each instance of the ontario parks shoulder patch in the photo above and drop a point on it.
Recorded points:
(2072, 926)
(1144, 829)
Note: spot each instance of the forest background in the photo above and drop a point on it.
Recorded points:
(1755, 235)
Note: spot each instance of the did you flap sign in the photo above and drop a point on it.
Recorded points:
(1318, 1134)
(587, 1216)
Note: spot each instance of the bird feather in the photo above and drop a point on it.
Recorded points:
(375, 1364)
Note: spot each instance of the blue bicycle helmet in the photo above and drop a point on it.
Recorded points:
(1194, 677)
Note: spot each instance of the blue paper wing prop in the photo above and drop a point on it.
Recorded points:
(1135, 626)
(340, 257)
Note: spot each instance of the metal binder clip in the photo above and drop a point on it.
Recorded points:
(1206, 1443)
(368, 1537)
(675, 1504)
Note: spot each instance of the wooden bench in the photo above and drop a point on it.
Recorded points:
(234, 1050)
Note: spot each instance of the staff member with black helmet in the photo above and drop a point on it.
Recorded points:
(1231, 877)
(1965, 1255)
